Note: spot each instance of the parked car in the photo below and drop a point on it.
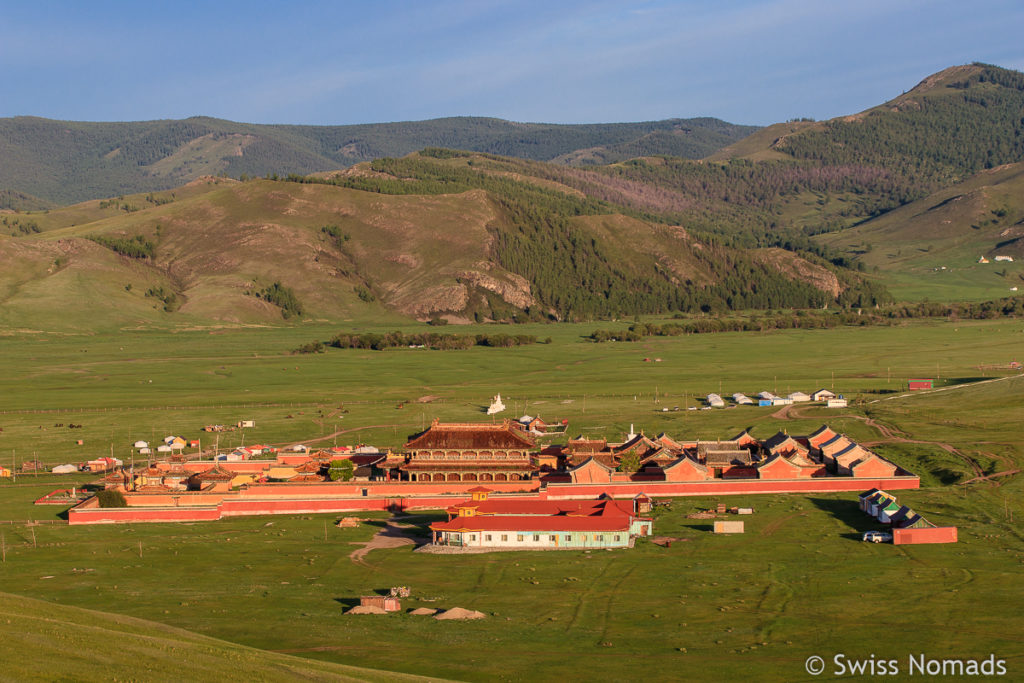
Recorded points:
(877, 537)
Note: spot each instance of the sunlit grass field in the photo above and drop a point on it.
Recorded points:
(798, 582)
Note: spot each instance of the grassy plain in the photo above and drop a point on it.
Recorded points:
(799, 582)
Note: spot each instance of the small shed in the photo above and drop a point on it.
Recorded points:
(799, 397)
(919, 384)
(387, 603)
(141, 444)
(836, 403)
(723, 527)
(642, 503)
(822, 395)
(864, 498)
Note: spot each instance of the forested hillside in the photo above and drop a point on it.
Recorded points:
(66, 161)
(577, 272)
(441, 235)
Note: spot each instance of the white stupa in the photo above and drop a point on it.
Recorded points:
(496, 406)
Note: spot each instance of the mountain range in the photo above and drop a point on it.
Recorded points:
(901, 201)
(60, 162)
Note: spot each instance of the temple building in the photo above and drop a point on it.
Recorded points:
(511, 524)
(469, 452)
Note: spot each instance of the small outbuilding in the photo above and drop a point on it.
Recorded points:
(388, 603)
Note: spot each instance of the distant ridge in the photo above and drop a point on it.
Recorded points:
(68, 161)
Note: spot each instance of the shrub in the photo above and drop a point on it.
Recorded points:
(132, 247)
(111, 498)
(341, 470)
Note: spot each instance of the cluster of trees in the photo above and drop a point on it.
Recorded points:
(20, 227)
(111, 498)
(138, 246)
(341, 470)
(1007, 307)
(782, 321)
(282, 297)
(167, 297)
(432, 340)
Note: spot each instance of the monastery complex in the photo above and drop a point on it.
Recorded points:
(442, 464)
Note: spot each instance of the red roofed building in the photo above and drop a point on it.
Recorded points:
(469, 452)
(822, 435)
(794, 466)
(591, 471)
(540, 524)
(686, 469)
(873, 466)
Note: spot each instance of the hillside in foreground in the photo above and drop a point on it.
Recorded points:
(45, 641)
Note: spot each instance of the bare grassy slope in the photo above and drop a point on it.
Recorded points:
(216, 250)
(43, 641)
(949, 231)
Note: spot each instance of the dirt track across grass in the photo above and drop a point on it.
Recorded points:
(392, 535)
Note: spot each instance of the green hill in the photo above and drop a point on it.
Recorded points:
(44, 641)
(68, 161)
(951, 125)
(931, 248)
(442, 234)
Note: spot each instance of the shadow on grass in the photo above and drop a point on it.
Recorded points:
(347, 603)
(956, 381)
(848, 511)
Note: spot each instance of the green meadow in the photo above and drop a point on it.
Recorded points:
(798, 582)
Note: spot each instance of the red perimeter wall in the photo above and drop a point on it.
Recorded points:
(283, 498)
(717, 487)
(939, 534)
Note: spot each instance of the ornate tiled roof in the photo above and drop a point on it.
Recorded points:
(469, 436)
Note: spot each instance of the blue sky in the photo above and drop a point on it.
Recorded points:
(753, 62)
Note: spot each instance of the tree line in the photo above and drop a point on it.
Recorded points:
(430, 340)
(1009, 307)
